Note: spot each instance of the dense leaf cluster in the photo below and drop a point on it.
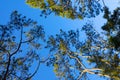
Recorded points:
(113, 27)
(68, 8)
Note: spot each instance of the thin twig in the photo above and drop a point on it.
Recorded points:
(28, 40)
(103, 3)
(35, 71)
(43, 61)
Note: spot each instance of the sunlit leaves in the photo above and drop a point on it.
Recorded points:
(37, 3)
(55, 67)
(68, 8)
(68, 51)
(51, 2)
(62, 46)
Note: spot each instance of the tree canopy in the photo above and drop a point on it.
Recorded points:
(15, 61)
(71, 58)
(68, 8)
(69, 54)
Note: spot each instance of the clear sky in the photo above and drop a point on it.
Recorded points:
(51, 24)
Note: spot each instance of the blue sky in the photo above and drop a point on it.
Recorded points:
(51, 24)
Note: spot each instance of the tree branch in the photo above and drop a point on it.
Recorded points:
(28, 40)
(10, 55)
(43, 61)
(35, 71)
(80, 76)
(19, 43)
(91, 72)
(103, 3)
(77, 60)
(9, 60)
(92, 69)
(87, 70)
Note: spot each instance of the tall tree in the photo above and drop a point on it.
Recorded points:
(68, 8)
(70, 55)
(19, 41)
(68, 52)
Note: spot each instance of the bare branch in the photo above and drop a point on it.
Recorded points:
(91, 72)
(79, 77)
(92, 69)
(77, 60)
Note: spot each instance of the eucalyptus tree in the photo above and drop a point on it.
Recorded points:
(69, 54)
(71, 57)
(101, 51)
(20, 39)
(68, 8)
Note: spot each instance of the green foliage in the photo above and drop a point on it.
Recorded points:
(61, 61)
(112, 26)
(67, 8)
(67, 49)
(15, 60)
(69, 53)
(37, 3)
